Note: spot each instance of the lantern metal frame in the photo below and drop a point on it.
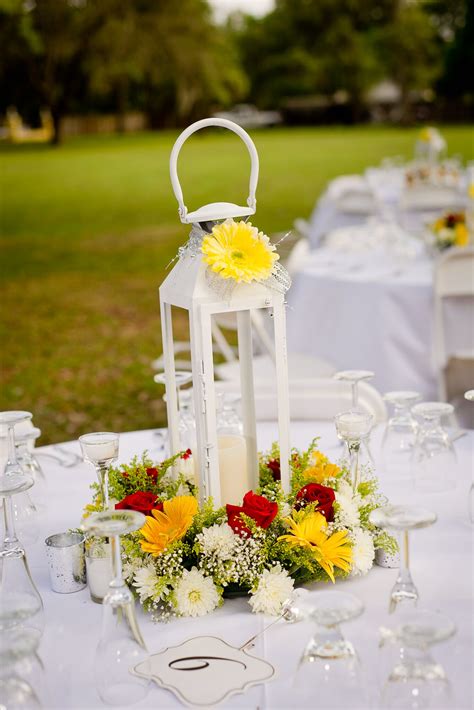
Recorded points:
(187, 287)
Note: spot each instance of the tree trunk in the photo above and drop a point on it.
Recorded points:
(56, 113)
(122, 103)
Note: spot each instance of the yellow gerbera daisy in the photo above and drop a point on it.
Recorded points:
(236, 250)
(308, 530)
(165, 527)
(461, 235)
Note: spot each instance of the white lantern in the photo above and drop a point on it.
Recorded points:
(188, 287)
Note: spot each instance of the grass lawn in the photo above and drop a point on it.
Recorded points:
(87, 231)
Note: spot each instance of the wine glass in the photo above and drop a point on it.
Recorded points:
(101, 450)
(329, 665)
(400, 433)
(417, 680)
(121, 646)
(354, 377)
(433, 463)
(21, 670)
(402, 519)
(353, 427)
(20, 602)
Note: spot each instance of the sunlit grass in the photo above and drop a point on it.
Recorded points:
(88, 229)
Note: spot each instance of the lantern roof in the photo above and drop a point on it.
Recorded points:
(188, 285)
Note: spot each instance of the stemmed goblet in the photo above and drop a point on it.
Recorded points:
(121, 646)
(417, 680)
(329, 664)
(353, 427)
(433, 461)
(402, 519)
(400, 433)
(354, 377)
(20, 601)
(21, 670)
(101, 450)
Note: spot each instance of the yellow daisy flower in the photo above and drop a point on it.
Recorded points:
(461, 235)
(165, 527)
(236, 250)
(308, 530)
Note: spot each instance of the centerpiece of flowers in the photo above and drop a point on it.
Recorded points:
(186, 559)
(450, 230)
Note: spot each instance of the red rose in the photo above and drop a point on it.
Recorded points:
(314, 492)
(256, 507)
(187, 454)
(274, 466)
(143, 501)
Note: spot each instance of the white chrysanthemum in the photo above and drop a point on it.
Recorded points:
(218, 540)
(275, 586)
(196, 595)
(145, 581)
(362, 551)
(186, 468)
(285, 510)
(348, 512)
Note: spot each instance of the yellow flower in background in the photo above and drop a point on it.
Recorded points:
(425, 135)
(321, 469)
(168, 526)
(461, 235)
(309, 530)
(236, 250)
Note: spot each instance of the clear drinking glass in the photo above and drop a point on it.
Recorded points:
(416, 679)
(121, 646)
(433, 463)
(20, 602)
(400, 433)
(28, 461)
(354, 377)
(22, 682)
(354, 427)
(329, 674)
(101, 450)
(402, 519)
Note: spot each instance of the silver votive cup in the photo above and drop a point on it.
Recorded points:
(386, 559)
(66, 561)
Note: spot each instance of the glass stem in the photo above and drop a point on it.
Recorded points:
(103, 474)
(11, 454)
(404, 575)
(355, 395)
(11, 541)
(116, 562)
(354, 448)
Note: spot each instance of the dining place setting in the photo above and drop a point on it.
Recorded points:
(296, 538)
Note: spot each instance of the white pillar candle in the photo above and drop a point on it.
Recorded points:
(234, 475)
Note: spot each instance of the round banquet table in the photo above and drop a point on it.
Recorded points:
(441, 562)
(360, 310)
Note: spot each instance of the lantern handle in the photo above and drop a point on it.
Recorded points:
(222, 123)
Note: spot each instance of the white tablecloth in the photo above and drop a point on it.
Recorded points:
(357, 310)
(441, 564)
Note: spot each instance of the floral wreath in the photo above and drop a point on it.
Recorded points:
(186, 559)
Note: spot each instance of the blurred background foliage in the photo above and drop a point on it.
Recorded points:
(173, 62)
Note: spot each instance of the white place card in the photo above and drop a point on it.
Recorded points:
(205, 670)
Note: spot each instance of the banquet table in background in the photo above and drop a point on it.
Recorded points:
(360, 310)
(441, 558)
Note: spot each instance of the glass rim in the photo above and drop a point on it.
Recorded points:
(85, 438)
